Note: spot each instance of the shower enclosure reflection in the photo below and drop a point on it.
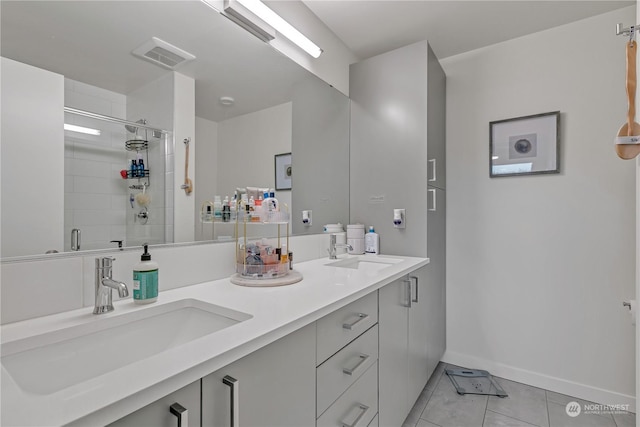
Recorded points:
(114, 181)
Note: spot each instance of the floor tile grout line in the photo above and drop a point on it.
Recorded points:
(513, 418)
(546, 401)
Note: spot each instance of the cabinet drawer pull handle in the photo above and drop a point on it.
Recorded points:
(361, 317)
(433, 174)
(363, 409)
(408, 289)
(416, 278)
(350, 371)
(181, 413)
(433, 200)
(234, 385)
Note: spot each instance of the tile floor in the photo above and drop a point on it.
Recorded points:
(440, 405)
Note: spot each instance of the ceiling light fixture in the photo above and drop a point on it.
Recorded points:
(81, 129)
(267, 15)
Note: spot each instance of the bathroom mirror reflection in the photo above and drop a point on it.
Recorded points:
(79, 54)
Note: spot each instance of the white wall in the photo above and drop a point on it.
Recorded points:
(246, 148)
(96, 197)
(206, 174)
(184, 126)
(537, 266)
(637, 294)
(32, 155)
(66, 281)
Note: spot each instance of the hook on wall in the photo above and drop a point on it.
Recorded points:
(631, 31)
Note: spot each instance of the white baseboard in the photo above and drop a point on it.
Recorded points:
(559, 385)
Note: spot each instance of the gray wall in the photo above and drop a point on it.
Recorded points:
(389, 146)
(320, 156)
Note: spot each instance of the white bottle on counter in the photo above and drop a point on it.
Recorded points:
(371, 241)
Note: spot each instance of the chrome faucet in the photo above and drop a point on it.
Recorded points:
(333, 246)
(105, 284)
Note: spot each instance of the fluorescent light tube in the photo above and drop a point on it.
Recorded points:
(283, 27)
(80, 129)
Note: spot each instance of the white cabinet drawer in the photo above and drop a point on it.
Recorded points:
(341, 370)
(374, 422)
(344, 325)
(357, 406)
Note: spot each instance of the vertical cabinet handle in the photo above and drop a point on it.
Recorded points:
(181, 413)
(350, 326)
(363, 410)
(433, 200)
(416, 279)
(234, 385)
(75, 239)
(408, 289)
(433, 170)
(350, 371)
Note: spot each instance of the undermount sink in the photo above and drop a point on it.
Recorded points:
(367, 263)
(76, 354)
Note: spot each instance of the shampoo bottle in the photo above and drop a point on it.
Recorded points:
(145, 279)
(371, 241)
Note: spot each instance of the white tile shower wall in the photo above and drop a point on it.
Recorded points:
(153, 102)
(95, 195)
(38, 288)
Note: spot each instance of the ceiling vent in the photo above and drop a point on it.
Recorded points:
(163, 54)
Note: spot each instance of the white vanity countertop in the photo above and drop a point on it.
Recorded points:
(276, 311)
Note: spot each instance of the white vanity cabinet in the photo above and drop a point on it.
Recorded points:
(404, 332)
(347, 372)
(178, 409)
(271, 387)
(361, 365)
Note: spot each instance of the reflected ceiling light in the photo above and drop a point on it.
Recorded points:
(81, 129)
(495, 157)
(263, 12)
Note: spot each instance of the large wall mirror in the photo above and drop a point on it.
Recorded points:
(70, 63)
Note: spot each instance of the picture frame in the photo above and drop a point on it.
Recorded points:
(283, 171)
(527, 145)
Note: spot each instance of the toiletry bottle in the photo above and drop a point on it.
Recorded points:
(226, 210)
(217, 208)
(145, 279)
(371, 241)
(234, 207)
(134, 169)
(140, 168)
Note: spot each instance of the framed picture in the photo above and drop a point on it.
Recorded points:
(525, 145)
(283, 171)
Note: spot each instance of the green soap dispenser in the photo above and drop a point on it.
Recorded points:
(145, 279)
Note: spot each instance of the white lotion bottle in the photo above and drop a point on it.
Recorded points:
(145, 279)
(371, 241)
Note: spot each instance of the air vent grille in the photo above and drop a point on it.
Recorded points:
(162, 53)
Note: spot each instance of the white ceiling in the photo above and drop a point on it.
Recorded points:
(91, 41)
(371, 27)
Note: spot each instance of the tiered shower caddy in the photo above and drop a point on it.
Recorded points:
(260, 264)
